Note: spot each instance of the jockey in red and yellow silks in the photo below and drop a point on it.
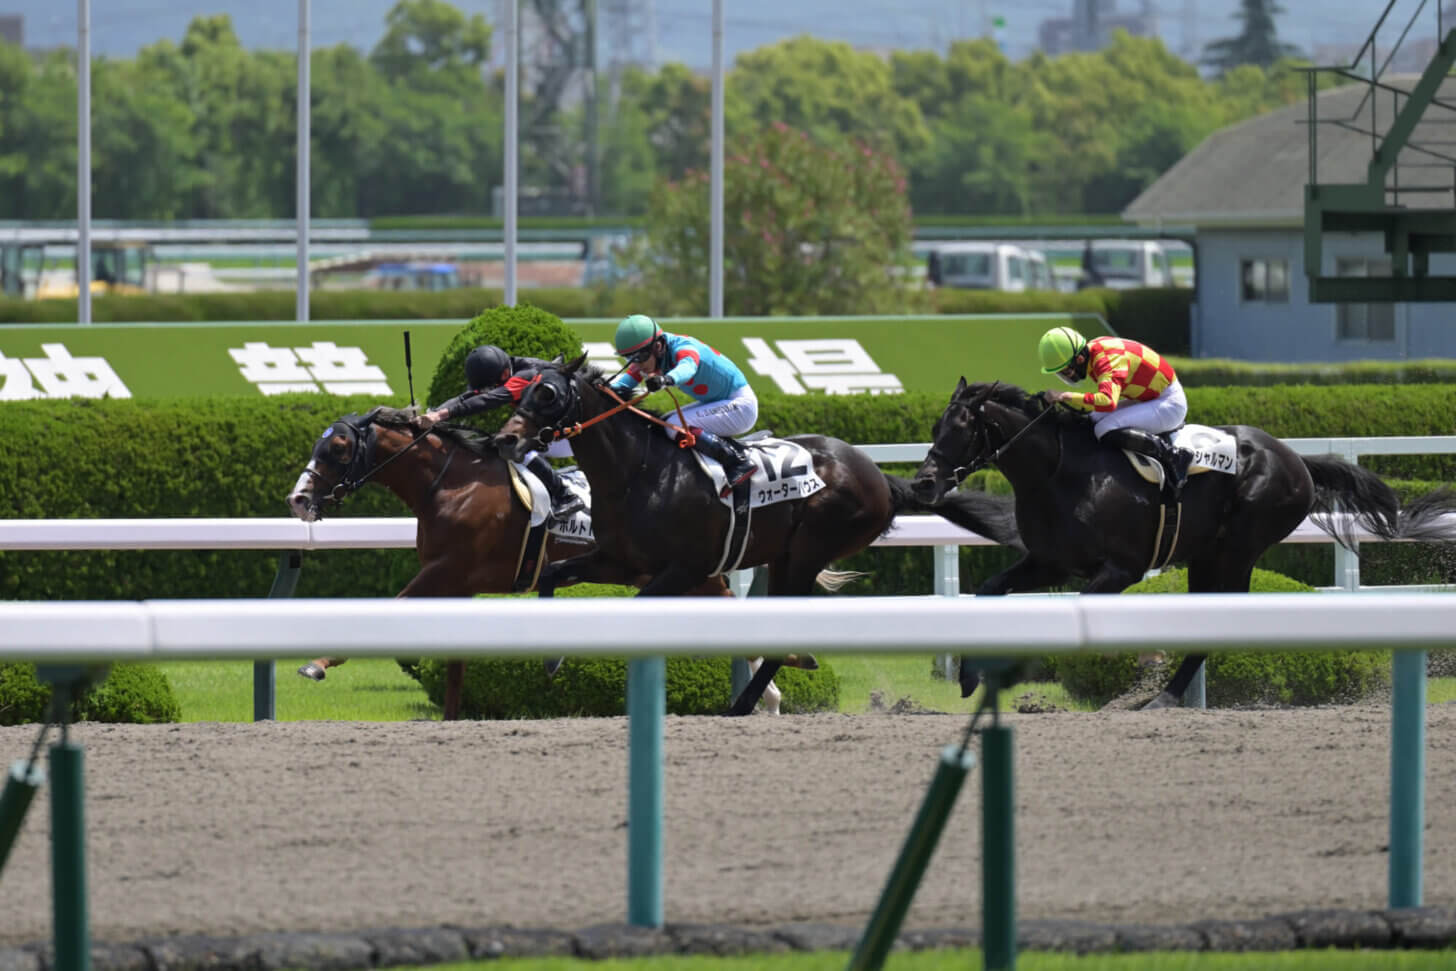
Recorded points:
(1138, 395)
(1124, 370)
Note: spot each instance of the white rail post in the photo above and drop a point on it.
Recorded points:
(1347, 561)
(947, 584)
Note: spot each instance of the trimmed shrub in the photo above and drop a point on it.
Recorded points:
(598, 687)
(137, 694)
(1291, 678)
(523, 331)
(510, 688)
(23, 699)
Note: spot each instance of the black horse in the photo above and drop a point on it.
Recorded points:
(1083, 511)
(655, 512)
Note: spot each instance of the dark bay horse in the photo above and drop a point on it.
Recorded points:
(1084, 512)
(471, 527)
(655, 512)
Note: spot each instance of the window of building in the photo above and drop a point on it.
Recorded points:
(1364, 321)
(1264, 281)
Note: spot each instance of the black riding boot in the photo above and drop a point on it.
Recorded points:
(564, 503)
(1175, 461)
(737, 466)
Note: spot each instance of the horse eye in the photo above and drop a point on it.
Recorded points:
(547, 394)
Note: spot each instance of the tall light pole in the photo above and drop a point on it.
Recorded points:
(715, 178)
(83, 161)
(301, 174)
(513, 95)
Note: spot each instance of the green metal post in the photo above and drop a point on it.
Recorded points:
(265, 694)
(68, 857)
(1407, 776)
(20, 788)
(998, 850)
(646, 706)
(884, 923)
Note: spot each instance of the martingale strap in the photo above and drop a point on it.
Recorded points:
(1167, 539)
(740, 517)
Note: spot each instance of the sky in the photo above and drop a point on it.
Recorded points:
(683, 33)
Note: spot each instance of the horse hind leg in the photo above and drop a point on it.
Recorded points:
(1223, 572)
(757, 685)
(772, 696)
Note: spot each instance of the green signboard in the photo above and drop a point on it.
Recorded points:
(829, 355)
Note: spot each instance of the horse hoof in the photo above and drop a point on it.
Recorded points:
(553, 664)
(312, 671)
(807, 663)
(1164, 700)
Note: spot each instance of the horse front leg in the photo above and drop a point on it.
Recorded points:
(439, 579)
(314, 670)
(1028, 573)
(593, 567)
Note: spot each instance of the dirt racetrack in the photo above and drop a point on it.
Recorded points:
(1157, 817)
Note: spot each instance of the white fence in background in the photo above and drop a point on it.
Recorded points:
(286, 534)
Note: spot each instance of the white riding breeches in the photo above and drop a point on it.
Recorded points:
(1163, 414)
(731, 416)
(559, 449)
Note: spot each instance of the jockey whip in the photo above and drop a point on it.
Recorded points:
(408, 370)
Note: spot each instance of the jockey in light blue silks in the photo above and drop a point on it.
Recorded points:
(724, 405)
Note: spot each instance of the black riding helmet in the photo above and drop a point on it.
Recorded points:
(486, 367)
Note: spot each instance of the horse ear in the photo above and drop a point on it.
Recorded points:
(559, 359)
(575, 365)
(960, 389)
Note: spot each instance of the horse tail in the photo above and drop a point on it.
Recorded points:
(833, 580)
(1424, 518)
(989, 515)
(1341, 487)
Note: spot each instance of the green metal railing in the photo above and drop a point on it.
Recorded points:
(1377, 204)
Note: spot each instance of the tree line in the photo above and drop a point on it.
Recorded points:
(203, 128)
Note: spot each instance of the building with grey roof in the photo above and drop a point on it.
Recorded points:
(1242, 191)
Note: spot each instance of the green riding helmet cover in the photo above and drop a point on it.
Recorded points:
(635, 332)
(1058, 347)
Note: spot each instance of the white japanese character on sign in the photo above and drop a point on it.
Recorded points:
(602, 354)
(343, 370)
(834, 366)
(62, 376)
(280, 370)
(17, 384)
(275, 370)
(765, 362)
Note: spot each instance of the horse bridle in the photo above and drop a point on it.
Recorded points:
(959, 472)
(567, 427)
(360, 468)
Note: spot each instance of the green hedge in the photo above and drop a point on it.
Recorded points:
(507, 688)
(239, 457)
(1239, 678)
(134, 693)
(524, 330)
(598, 687)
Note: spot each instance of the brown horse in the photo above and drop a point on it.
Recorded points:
(471, 529)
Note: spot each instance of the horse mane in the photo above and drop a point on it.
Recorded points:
(1028, 403)
(595, 377)
(466, 437)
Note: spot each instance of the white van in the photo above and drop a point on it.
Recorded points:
(1125, 264)
(987, 266)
